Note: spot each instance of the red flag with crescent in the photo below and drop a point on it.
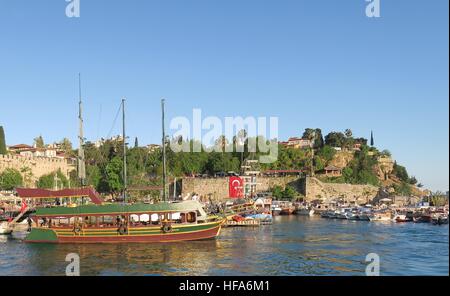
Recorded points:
(23, 207)
(236, 187)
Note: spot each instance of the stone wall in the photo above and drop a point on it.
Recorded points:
(218, 187)
(38, 166)
(316, 189)
(311, 188)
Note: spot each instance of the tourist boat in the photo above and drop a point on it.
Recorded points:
(364, 216)
(383, 216)
(325, 214)
(287, 209)
(275, 209)
(332, 214)
(439, 219)
(342, 213)
(401, 217)
(364, 213)
(353, 215)
(122, 223)
(422, 218)
(304, 211)
(5, 228)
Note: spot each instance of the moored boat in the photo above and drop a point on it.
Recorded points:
(5, 228)
(117, 223)
(422, 218)
(342, 213)
(439, 219)
(275, 209)
(401, 217)
(286, 211)
(353, 215)
(304, 211)
(383, 216)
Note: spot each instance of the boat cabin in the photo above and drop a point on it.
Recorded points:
(116, 215)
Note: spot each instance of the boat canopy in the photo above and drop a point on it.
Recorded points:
(37, 193)
(120, 209)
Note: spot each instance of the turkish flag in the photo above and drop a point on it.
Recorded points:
(24, 206)
(236, 187)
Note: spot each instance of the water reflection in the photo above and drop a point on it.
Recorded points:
(291, 246)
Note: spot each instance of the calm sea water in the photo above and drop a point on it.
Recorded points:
(293, 245)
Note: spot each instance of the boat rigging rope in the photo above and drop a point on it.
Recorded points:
(115, 120)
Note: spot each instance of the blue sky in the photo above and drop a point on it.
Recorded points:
(312, 63)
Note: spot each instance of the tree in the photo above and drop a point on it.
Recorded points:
(2, 141)
(39, 142)
(50, 182)
(314, 134)
(221, 142)
(277, 192)
(412, 180)
(66, 145)
(326, 153)
(403, 189)
(27, 174)
(114, 175)
(400, 172)
(348, 133)
(289, 192)
(386, 153)
(335, 139)
(361, 169)
(10, 179)
(136, 143)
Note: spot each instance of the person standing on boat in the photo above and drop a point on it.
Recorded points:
(30, 222)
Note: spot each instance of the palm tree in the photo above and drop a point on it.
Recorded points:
(242, 137)
(348, 133)
(222, 142)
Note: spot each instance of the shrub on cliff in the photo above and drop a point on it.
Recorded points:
(400, 172)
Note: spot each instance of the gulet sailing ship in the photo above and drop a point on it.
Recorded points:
(122, 222)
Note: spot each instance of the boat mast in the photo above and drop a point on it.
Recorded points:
(124, 152)
(81, 158)
(163, 150)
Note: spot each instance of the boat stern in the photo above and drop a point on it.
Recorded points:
(41, 235)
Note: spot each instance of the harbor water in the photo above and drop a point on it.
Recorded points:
(293, 245)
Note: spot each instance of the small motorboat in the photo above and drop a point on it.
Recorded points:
(5, 228)
(304, 211)
(332, 214)
(276, 210)
(381, 217)
(422, 218)
(352, 215)
(439, 219)
(325, 214)
(400, 217)
(343, 213)
(287, 211)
